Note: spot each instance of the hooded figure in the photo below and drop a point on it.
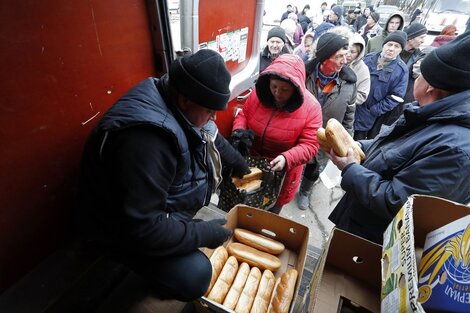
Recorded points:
(395, 22)
(284, 124)
(355, 62)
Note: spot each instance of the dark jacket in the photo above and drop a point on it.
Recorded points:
(143, 163)
(427, 151)
(391, 80)
(265, 57)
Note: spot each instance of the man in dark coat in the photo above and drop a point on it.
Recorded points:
(334, 85)
(427, 151)
(146, 171)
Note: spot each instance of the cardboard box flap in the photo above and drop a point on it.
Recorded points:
(290, 233)
(428, 214)
(357, 257)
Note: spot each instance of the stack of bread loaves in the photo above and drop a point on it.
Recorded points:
(249, 182)
(243, 278)
(335, 137)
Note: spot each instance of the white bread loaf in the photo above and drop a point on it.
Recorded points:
(263, 295)
(224, 281)
(284, 292)
(217, 259)
(258, 241)
(254, 257)
(249, 291)
(235, 291)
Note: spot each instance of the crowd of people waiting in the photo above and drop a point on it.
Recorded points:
(154, 159)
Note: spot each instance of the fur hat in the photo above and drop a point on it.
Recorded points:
(415, 30)
(447, 67)
(375, 16)
(398, 36)
(203, 78)
(328, 44)
(278, 32)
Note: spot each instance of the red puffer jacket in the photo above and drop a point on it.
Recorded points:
(291, 130)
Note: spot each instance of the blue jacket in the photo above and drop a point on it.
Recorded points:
(427, 151)
(391, 80)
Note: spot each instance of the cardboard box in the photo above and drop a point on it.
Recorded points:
(292, 234)
(347, 277)
(444, 269)
(404, 236)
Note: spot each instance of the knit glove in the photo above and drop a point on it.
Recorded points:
(242, 140)
(215, 234)
(241, 170)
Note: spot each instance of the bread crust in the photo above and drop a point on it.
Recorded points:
(263, 295)
(340, 140)
(254, 257)
(284, 292)
(255, 174)
(217, 259)
(247, 296)
(251, 185)
(224, 281)
(258, 241)
(237, 287)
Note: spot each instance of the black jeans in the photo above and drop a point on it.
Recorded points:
(184, 278)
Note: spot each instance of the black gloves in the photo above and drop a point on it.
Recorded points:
(242, 139)
(241, 171)
(216, 233)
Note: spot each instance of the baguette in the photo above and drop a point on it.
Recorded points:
(217, 259)
(251, 185)
(263, 295)
(224, 281)
(284, 292)
(254, 257)
(249, 291)
(258, 241)
(234, 293)
(321, 137)
(341, 141)
(255, 174)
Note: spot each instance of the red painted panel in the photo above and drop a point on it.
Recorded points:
(220, 17)
(62, 63)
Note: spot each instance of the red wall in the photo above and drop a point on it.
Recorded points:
(62, 62)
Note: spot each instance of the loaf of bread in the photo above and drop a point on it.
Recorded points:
(224, 281)
(249, 291)
(258, 241)
(255, 174)
(341, 141)
(263, 295)
(254, 257)
(251, 185)
(321, 137)
(284, 292)
(235, 291)
(217, 259)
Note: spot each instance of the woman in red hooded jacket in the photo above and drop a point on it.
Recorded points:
(284, 117)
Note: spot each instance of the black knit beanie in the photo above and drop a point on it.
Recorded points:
(278, 32)
(375, 16)
(328, 44)
(415, 30)
(398, 36)
(202, 78)
(447, 67)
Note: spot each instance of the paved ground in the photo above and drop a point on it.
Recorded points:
(322, 202)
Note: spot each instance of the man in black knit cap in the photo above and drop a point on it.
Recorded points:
(427, 150)
(150, 164)
(275, 46)
(334, 85)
